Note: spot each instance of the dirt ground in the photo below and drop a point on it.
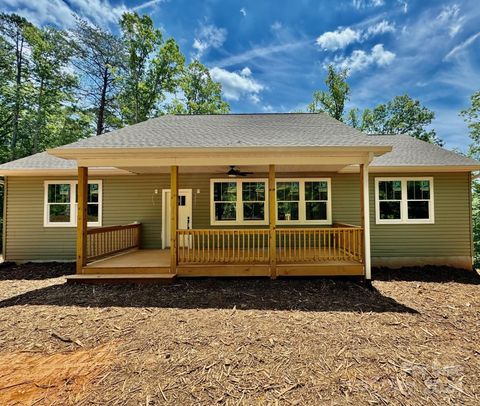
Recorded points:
(413, 339)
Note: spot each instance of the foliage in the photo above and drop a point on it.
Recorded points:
(201, 95)
(332, 101)
(471, 115)
(152, 68)
(99, 57)
(401, 115)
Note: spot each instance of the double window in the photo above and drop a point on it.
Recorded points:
(61, 199)
(238, 201)
(404, 200)
(244, 201)
(303, 201)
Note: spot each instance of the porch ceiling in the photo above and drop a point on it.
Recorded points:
(222, 169)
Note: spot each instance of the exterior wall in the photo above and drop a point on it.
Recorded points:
(125, 199)
(449, 238)
(131, 198)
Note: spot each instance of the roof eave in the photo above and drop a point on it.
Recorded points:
(81, 153)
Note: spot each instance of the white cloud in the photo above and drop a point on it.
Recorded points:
(246, 71)
(463, 45)
(381, 28)
(61, 13)
(360, 60)
(358, 4)
(99, 11)
(236, 85)
(404, 5)
(339, 39)
(450, 16)
(260, 53)
(208, 36)
(342, 37)
(277, 25)
(243, 12)
(147, 4)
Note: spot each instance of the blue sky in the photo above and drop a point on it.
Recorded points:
(271, 55)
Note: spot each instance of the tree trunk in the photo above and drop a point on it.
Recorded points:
(18, 83)
(38, 126)
(101, 107)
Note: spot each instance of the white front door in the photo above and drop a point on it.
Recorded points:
(184, 214)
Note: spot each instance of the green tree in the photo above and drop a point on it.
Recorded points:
(152, 69)
(14, 79)
(100, 55)
(201, 94)
(334, 99)
(52, 84)
(401, 115)
(471, 115)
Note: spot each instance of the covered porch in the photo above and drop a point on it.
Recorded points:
(273, 248)
(230, 252)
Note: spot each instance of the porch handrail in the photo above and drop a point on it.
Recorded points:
(346, 225)
(251, 246)
(106, 241)
(313, 245)
(223, 246)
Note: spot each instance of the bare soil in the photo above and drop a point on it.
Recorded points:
(412, 339)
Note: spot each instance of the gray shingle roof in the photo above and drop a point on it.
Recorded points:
(42, 160)
(290, 130)
(231, 130)
(409, 151)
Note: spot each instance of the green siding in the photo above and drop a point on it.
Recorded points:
(132, 198)
(448, 236)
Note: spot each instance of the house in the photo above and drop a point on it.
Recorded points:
(240, 194)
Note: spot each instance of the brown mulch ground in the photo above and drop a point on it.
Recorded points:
(413, 339)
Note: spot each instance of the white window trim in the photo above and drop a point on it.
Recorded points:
(239, 215)
(404, 202)
(73, 205)
(302, 202)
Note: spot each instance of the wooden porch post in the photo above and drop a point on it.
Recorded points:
(365, 219)
(272, 212)
(82, 218)
(173, 218)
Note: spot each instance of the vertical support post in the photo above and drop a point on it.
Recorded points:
(173, 218)
(365, 220)
(272, 213)
(82, 218)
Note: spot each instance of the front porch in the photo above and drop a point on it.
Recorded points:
(280, 244)
(322, 251)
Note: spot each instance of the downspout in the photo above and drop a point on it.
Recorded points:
(471, 179)
(4, 184)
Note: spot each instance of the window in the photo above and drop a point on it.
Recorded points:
(303, 201)
(239, 201)
(404, 200)
(61, 199)
(288, 201)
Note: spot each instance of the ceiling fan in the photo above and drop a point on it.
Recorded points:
(234, 172)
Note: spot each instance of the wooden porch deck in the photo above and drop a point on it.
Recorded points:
(157, 261)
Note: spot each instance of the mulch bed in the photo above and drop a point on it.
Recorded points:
(412, 339)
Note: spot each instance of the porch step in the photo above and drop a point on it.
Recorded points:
(121, 278)
(126, 270)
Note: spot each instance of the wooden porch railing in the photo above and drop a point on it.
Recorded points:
(296, 245)
(251, 246)
(105, 241)
(223, 246)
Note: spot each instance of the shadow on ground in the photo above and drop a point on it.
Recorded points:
(304, 294)
(35, 271)
(437, 274)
